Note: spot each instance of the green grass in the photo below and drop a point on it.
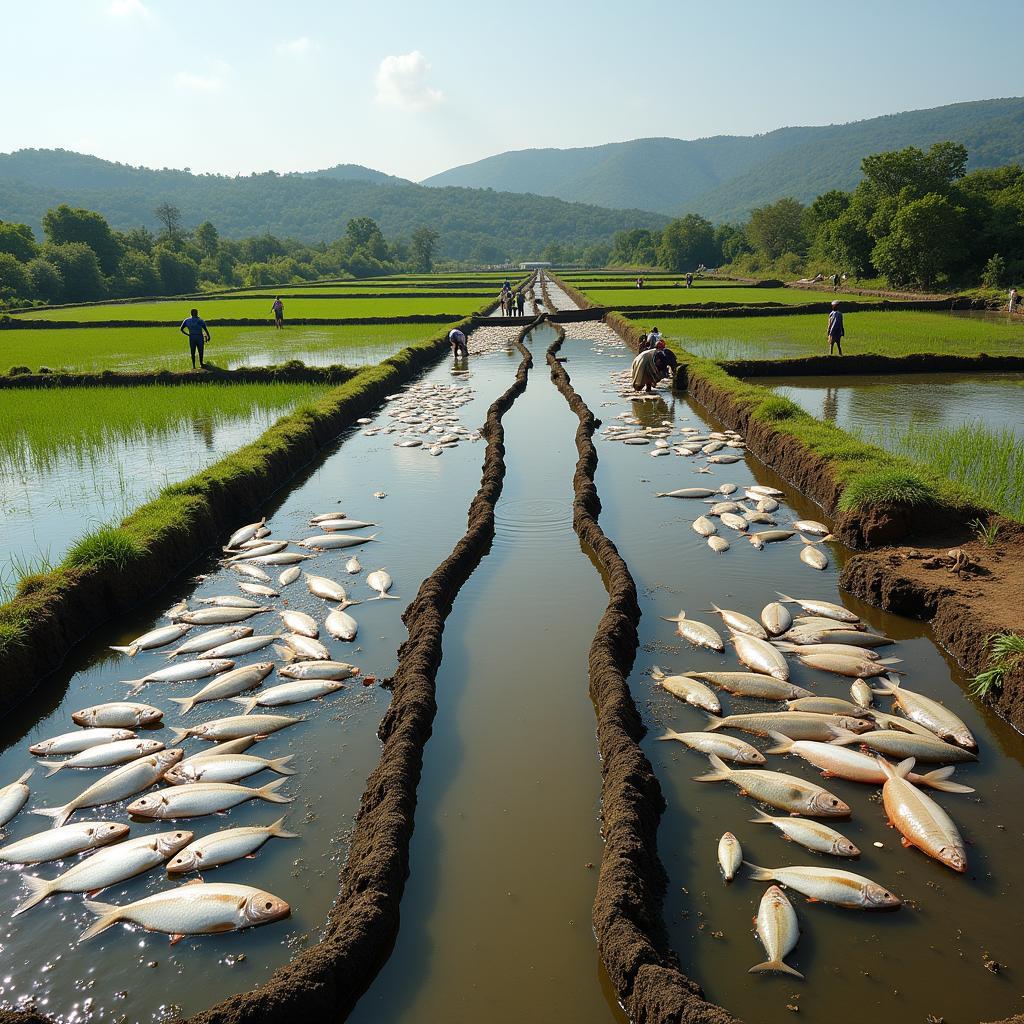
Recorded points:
(152, 348)
(1005, 652)
(258, 309)
(107, 546)
(39, 428)
(897, 333)
(704, 291)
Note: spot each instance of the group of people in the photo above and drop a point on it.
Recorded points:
(653, 362)
(512, 304)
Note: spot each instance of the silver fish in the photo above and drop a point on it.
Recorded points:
(760, 656)
(58, 843)
(214, 616)
(252, 571)
(289, 576)
(335, 525)
(332, 541)
(798, 725)
(211, 638)
(106, 755)
(211, 766)
(813, 557)
(244, 533)
(352, 566)
(154, 638)
(786, 792)
(202, 798)
(226, 685)
(930, 713)
(753, 684)
(341, 625)
(290, 693)
(813, 835)
(183, 671)
(686, 689)
(904, 744)
(300, 623)
(825, 609)
(380, 581)
(321, 586)
(235, 727)
(687, 492)
(740, 623)
(811, 526)
(226, 846)
(229, 601)
(729, 748)
(246, 645)
(730, 855)
(14, 796)
(79, 740)
(279, 558)
(116, 715)
(775, 618)
(830, 885)
(318, 670)
(734, 522)
(718, 544)
(778, 930)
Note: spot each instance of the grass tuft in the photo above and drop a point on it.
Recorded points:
(887, 487)
(1005, 650)
(108, 546)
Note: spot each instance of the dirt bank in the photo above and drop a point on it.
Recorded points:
(832, 366)
(628, 917)
(6, 324)
(286, 373)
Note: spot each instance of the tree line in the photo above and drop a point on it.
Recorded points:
(916, 219)
(82, 258)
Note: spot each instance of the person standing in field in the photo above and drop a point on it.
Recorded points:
(1014, 299)
(198, 335)
(520, 301)
(836, 330)
(278, 310)
(835, 282)
(689, 280)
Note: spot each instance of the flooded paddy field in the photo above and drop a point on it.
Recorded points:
(732, 293)
(125, 974)
(949, 953)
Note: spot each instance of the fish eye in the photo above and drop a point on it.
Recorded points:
(270, 906)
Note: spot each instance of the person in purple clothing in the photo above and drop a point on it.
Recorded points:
(836, 330)
(198, 334)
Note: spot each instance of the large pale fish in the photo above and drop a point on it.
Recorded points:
(154, 638)
(740, 623)
(269, 547)
(323, 517)
(122, 782)
(106, 755)
(730, 855)
(825, 609)
(79, 740)
(380, 580)
(776, 618)
(827, 706)
(336, 525)
(718, 544)
(119, 714)
(244, 533)
(246, 645)
(341, 625)
(211, 638)
(812, 526)
(289, 576)
(328, 590)
(58, 843)
(182, 672)
(786, 792)
(235, 727)
(734, 522)
(290, 693)
(930, 713)
(854, 667)
(704, 527)
(254, 572)
(300, 623)
(886, 721)
(814, 557)
(760, 656)
(215, 616)
(830, 885)
(893, 743)
(226, 846)
(228, 684)
(687, 492)
(107, 867)
(239, 746)
(318, 670)
(853, 637)
(698, 633)
(814, 835)
(13, 797)
(352, 566)
(333, 541)
(862, 694)
(753, 684)
(211, 766)
(202, 798)
(763, 491)
(797, 725)
(729, 748)
(229, 601)
(778, 930)
(199, 908)
(278, 558)
(686, 689)
(843, 650)
(762, 537)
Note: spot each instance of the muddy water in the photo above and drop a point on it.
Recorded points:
(923, 962)
(868, 404)
(496, 914)
(129, 975)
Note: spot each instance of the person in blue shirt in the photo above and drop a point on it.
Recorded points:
(836, 330)
(198, 334)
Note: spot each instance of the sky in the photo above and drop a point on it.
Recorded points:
(412, 88)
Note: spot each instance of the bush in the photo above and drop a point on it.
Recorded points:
(18, 371)
(994, 275)
(777, 408)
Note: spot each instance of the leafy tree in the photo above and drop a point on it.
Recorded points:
(422, 246)
(18, 240)
(139, 239)
(207, 238)
(731, 241)
(596, 255)
(79, 268)
(46, 280)
(261, 249)
(137, 275)
(924, 242)
(890, 174)
(170, 216)
(15, 285)
(635, 248)
(778, 228)
(64, 224)
(688, 242)
(363, 233)
(178, 274)
(845, 245)
(994, 275)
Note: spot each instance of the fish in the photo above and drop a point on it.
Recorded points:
(825, 609)
(201, 798)
(829, 885)
(753, 684)
(862, 694)
(698, 633)
(79, 740)
(812, 526)
(106, 755)
(776, 618)
(778, 931)
(211, 766)
(122, 782)
(252, 571)
(323, 517)
(183, 671)
(245, 645)
(635, 440)
(352, 566)
(766, 504)
(786, 792)
(235, 727)
(13, 797)
(813, 557)
(341, 625)
(226, 685)
(238, 746)
(226, 846)
(769, 536)
(718, 544)
(327, 589)
(842, 650)
(763, 519)
(797, 725)
(730, 855)
(158, 637)
(336, 670)
(727, 489)
(332, 541)
(334, 525)
(289, 576)
(734, 522)
(836, 761)
(250, 550)
(929, 750)
(854, 638)
(107, 867)
(116, 715)
(214, 616)
(229, 601)
(302, 648)
(380, 580)
(862, 667)
(724, 460)
(687, 492)
(278, 558)
(760, 656)
(300, 623)
(724, 506)
(199, 908)
(930, 713)
(763, 491)
(886, 721)
(740, 623)
(244, 533)
(290, 693)
(919, 819)
(827, 706)
(813, 835)
(58, 843)
(211, 638)
(729, 748)
(686, 689)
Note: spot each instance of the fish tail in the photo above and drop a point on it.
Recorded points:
(131, 650)
(179, 735)
(280, 765)
(187, 703)
(59, 814)
(887, 686)
(135, 684)
(383, 597)
(278, 829)
(268, 792)
(106, 915)
(759, 874)
(774, 965)
(656, 673)
(939, 779)
(785, 598)
(54, 766)
(714, 724)
(722, 770)
(670, 734)
(24, 777)
(249, 702)
(39, 888)
(373, 536)
(762, 818)
(905, 767)
(842, 737)
(783, 744)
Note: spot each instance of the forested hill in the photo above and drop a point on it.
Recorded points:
(725, 177)
(473, 223)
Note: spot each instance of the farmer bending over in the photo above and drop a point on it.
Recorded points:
(198, 334)
(457, 340)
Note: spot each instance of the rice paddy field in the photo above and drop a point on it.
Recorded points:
(705, 292)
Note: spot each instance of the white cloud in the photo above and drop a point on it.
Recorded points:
(402, 82)
(129, 9)
(212, 81)
(301, 47)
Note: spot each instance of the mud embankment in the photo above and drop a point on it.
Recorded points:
(286, 373)
(850, 365)
(705, 310)
(628, 916)
(224, 321)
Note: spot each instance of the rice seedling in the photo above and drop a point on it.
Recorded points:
(1005, 651)
(987, 533)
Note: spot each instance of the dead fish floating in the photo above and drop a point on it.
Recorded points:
(778, 931)
(935, 717)
(729, 748)
(687, 689)
(730, 856)
(829, 885)
(332, 541)
(686, 492)
(698, 633)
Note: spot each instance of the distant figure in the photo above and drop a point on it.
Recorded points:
(507, 286)
(835, 282)
(504, 303)
(689, 280)
(644, 344)
(520, 301)
(457, 340)
(1014, 300)
(654, 337)
(198, 334)
(835, 329)
(278, 310)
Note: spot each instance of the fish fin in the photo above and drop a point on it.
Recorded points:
(759, 874)
(673, 618)
(714, 724)
(783, 743)
(187, 703)
(24, 777)
(176, 938)
(131, 650)
(286, 653)
(887, 686)
(762, 818)
(280, 765)
(106, 915)
(721, 770)
(179, 735)
(278, 829)
(54, 766)
(39, 889)
(268, 793)
(670, 734)
(890, 661)
(842, 737)
(383, 597)
(785, 598)
(938, 779)
(373, 536)
(656, 673)
(59, 814)
(806, 541)
(774, 965)
(249, 702)
(905, 767)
